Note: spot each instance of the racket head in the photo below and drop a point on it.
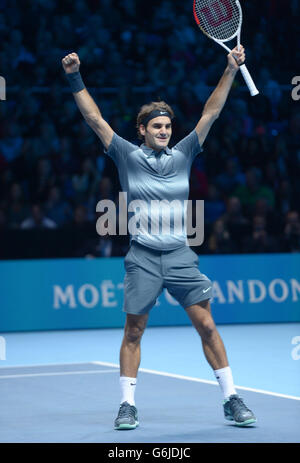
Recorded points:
(220, 20)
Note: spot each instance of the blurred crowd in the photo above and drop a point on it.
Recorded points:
(53, 170)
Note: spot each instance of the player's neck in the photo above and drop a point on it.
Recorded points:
(154, 148)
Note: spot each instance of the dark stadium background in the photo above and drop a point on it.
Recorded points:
(53, 170)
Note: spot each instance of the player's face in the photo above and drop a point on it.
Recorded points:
(158, 133)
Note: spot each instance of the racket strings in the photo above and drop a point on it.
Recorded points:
(219, 19)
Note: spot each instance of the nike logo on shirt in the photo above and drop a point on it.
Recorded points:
(205, 290)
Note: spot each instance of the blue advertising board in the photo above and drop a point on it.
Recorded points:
(88, 293)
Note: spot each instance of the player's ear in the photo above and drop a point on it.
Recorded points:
(142, 130)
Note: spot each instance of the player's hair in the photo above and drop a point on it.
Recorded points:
(147, 109)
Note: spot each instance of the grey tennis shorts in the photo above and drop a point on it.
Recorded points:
(148, 271)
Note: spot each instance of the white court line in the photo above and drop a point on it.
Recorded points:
(57, 373)
(214, 383)
(145, 370)
(32, 365)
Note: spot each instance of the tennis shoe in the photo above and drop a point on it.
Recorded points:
(127, 417)
(235, 410)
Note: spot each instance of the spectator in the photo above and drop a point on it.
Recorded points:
(105, 189)
(37, 219)
(80, 219)
(234, 220)
(253, 190)
(286, 201)
(85, 181)
(291, 236)
(41, 180)
(214, 206)
(56, 208)
(231, 178)
(260, 241)
(18, 206)
(264, 209)
(220, 241)
(11, 143)
(198, 182)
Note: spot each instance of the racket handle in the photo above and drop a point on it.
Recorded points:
(248, 79)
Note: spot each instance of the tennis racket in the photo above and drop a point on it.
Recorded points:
(221, 21)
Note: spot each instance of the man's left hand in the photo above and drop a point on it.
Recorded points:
(236, 58)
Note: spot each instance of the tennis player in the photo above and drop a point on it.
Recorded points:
(153, 171)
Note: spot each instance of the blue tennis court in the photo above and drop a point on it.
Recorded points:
(62, 386)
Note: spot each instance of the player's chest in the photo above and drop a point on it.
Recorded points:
(156, 167)
(153, 179)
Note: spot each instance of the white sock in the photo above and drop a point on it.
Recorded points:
(225, 380)
(127, 389)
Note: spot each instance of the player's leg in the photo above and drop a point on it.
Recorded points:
(213, 346)
(130, 353)
(214, 350)
(130, 357)
(193, 290)
(142, 286)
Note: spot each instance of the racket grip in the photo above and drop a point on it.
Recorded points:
(249, 81)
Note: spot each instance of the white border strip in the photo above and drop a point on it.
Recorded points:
(57, 373)
(144, 370)
(205, 381)
(32, 365)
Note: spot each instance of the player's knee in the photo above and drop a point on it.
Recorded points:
(133, 334)
(207, 326)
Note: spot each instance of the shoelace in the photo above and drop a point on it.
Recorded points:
(237, 402)
(126, 409)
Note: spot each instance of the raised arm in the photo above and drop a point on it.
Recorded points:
(85, 102)
(217, 99)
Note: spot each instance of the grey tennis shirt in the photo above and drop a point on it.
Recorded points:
(157, 187)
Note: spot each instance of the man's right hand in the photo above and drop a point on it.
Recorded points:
(71, 63)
